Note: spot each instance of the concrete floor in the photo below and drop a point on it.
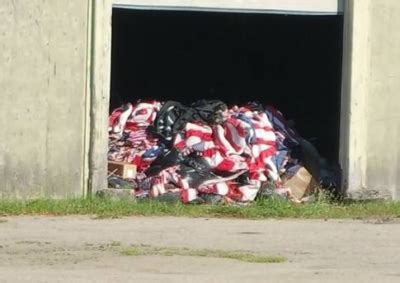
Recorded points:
(82, 249)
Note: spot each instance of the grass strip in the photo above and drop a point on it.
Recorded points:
(265, 208)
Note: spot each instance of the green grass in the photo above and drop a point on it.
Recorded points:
(172, 251)
(266, 208)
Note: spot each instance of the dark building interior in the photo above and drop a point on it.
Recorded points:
(292, 62)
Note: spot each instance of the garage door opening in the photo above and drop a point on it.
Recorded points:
(292, 62)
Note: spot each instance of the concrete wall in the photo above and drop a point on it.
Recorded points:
(383, 111)
(42, 89)
(371, 126)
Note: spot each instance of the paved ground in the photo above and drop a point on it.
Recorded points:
(81, 249)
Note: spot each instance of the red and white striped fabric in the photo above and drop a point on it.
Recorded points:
(179, 142)
(169, 175)
(249, 192)
(262, 146)
(113, 119)
(245, 141)
(159, 181)
(200, 138)
(143, 114)
(281, 125)
(188, 195)
(133, 117)
(231, 138)
(221, 163)
(233, 190)
(118, 119)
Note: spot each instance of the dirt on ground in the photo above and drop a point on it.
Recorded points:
(85, 249)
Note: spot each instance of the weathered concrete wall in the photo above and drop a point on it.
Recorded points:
(42, 89)
(100, 94)
(372, 99)
(383, 111)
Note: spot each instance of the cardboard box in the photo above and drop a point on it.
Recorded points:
(300, 182)
(124, 170)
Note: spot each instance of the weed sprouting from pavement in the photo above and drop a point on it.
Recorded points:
(174, 251)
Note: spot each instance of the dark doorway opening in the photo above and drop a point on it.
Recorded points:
(292, 62)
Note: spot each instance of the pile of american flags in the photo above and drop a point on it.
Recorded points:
(250, 148)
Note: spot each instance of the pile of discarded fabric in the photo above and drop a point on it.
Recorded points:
(208, 151)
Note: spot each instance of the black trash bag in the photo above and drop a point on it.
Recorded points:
(198, 163)
(117, 182)
(195, 171)
(244, 178)
(327, 177)
(211, 198)
(255, 106)
(167, 159)
(173, 116)
(210, 111)
(171, 119)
